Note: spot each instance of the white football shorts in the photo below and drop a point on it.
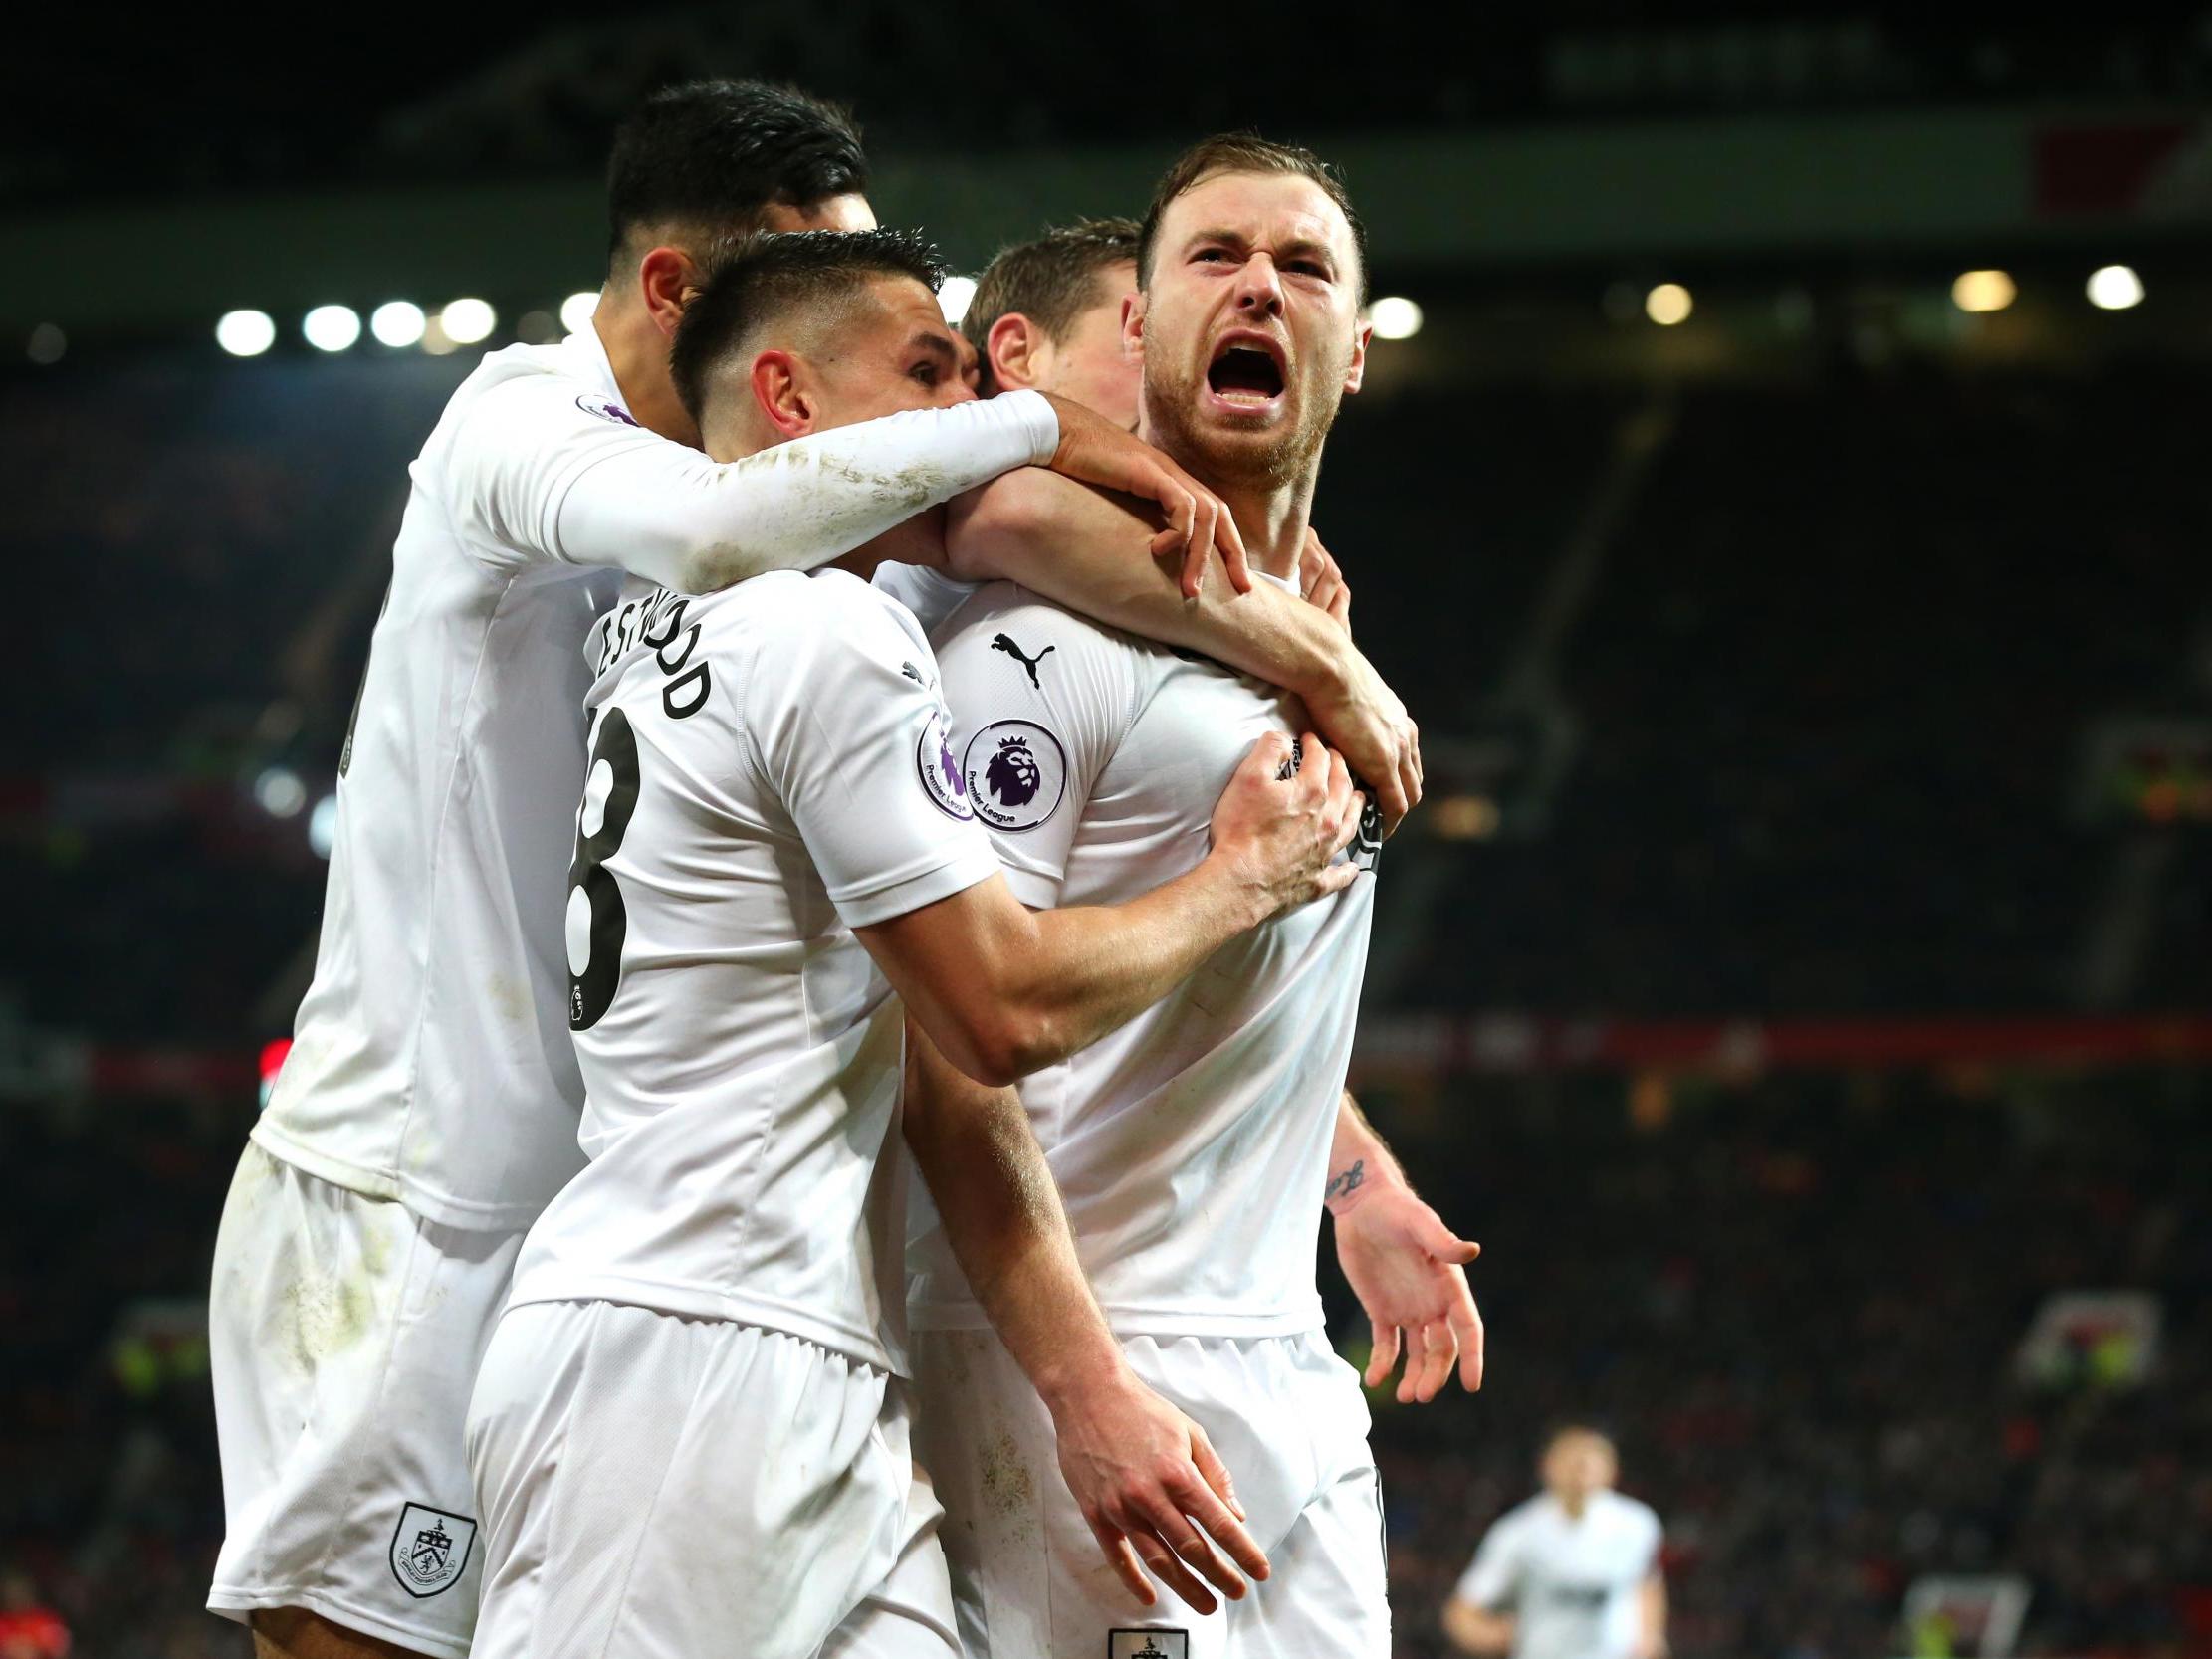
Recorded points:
(344, 1336)
(1030, 1582)
(660, 1487)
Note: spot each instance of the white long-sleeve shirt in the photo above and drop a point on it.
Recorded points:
(431, 1060)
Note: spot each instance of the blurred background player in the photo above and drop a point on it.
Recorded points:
(1047, 315)
(1572, 1574)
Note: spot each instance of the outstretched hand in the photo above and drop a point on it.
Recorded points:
(1409, 1271)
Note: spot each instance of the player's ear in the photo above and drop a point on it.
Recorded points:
(1362, 332)
(780, 391)
(1133, 324)
(1017, 348)
(665, 280)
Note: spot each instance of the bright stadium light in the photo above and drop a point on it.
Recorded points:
(1983, 291)
(1395, 317)
(331, 328)
(279, 792)
(576, 309)
(1668, 305)
(468, 320)
(396, 322)
(323, 826)
(2115, 288)
(246, 333)
(953, 299)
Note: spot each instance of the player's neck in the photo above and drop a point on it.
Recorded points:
(637, 351)
(1272, 519)
(1272, 515)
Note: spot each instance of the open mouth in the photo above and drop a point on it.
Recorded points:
(1245, 375)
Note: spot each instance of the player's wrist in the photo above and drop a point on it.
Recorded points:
(1085, 1381)
(1355, 1183)
(1246, 890)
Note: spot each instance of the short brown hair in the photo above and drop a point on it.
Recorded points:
(1245, 153)
(1051, 281)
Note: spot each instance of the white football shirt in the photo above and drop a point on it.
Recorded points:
(1571, 1582)
(1191, 1146)
(767, 772)
(431, 1060)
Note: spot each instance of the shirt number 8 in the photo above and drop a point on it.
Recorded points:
(597, 920)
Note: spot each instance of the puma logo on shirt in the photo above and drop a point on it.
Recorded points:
(1004, 642)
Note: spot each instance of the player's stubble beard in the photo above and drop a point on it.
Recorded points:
(1216, 457)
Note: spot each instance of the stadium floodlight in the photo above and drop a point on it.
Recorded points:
(2115, 288)
(1983, 291)
(1395, 317)
(323, 826)
(246, 333)
(331, 328)
(954, 297)
(279, 792)
(396, 322)
(468, 320)
(1668, 305)
(576, 309)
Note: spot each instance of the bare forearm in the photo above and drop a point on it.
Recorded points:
(1092, 969)
(1655, 1615)
(1358, 1156)
(1477, 1630)
(1003, 1218)
(1088, 551)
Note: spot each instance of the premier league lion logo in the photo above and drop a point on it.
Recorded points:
(1016, 774)
(1013, 773)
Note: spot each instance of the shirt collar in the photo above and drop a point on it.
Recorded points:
(590, 354)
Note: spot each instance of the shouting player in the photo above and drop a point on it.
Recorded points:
(428, 1107)
(1047, 315)
(689, 1432)
(1191, 1144)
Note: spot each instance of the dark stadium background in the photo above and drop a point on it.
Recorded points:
(1800, 971)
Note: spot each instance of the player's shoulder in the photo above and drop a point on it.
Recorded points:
(1007, 609)
(1631, 1512)
(1528, 1513)
(565, 371)
(795, 617)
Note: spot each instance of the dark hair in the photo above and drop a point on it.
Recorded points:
(1050, 281)
(753, 283)
(717, 154)
(1245, 153)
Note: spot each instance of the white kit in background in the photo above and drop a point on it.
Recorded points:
(1570, 1581)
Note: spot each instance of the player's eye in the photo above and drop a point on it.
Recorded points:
(925, 371)
(1215, 255)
